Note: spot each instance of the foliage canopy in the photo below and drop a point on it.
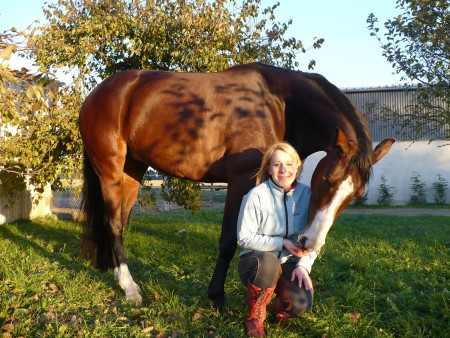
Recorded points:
(92, 39)
(100, 38)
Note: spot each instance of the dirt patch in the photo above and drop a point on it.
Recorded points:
(74, 214)
(399, 212)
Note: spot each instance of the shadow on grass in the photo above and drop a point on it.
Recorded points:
(60, 242)
(55, 244)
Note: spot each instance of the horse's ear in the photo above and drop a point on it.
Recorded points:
(382, 149)
(343, 143)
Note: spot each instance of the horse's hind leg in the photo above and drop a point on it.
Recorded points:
(117, 189)
(133, 173)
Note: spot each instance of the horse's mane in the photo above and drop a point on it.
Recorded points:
(363, 158)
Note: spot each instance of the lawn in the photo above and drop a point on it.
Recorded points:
(377, 276)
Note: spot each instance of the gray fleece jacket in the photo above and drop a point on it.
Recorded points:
(268, 214)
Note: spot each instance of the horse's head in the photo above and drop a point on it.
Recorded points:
(338, 179)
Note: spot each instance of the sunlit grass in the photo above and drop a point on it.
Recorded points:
(377, 276)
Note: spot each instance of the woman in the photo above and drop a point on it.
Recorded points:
(272, 215)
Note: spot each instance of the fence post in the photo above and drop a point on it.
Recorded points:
(212, 196)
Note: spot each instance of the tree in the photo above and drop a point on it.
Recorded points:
(92, 39)
(417, 44)
(99, 38)
(38, 135)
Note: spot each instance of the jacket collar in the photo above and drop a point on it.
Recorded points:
(281, 190)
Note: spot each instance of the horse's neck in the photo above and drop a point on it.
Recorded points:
(324, 103)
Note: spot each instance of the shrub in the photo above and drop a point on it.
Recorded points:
(385, 193)
(418, 189)
(440, 190)
(361, 200)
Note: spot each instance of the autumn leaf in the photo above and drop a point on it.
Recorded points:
(355, 317)
(6, 53)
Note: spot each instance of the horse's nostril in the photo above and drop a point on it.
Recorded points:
(302, 242)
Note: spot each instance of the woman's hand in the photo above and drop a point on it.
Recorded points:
(303, 277)
(293, 248)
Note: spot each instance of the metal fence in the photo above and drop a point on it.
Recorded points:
(66, 199)
(67, 202)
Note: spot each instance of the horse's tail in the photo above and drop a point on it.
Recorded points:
(96, 243)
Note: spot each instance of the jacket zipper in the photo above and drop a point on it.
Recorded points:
(287, 220)
(286, 214)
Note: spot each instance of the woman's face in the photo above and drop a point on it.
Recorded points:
(282, 169)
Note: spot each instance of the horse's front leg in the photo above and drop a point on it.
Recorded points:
(227, 248)
(228, 238)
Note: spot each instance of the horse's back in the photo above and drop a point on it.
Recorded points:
(171, 120)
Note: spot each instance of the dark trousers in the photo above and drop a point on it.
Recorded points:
(263, 270)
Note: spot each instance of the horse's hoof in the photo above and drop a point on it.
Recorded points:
(220, 308)
(134, 296)
(137, 287)
(136, 299)
(219, 303)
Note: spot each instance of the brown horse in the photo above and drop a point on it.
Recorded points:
(214, 127)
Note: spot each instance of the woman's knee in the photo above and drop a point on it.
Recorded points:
(268, 259)
(261, 269)
(269, 270)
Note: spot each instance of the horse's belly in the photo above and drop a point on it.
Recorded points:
(190, 160)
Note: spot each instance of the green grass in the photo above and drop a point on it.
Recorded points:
(377, 276)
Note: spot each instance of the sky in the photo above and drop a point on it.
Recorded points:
(349, 57)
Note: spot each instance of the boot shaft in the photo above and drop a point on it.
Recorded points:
(257, 301)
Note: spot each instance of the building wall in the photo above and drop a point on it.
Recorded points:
(398, 165)
(28, 204)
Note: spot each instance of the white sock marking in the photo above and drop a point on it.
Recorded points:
(125, 279)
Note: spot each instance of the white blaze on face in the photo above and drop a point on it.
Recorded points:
(323, 220)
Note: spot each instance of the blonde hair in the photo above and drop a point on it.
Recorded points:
(263, 172)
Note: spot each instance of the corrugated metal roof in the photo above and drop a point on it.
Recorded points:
(379, 89)
(392, 113)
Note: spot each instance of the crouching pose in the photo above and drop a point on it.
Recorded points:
(272, 214)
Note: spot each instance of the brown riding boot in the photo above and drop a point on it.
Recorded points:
(282, 303)
(257, 301)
